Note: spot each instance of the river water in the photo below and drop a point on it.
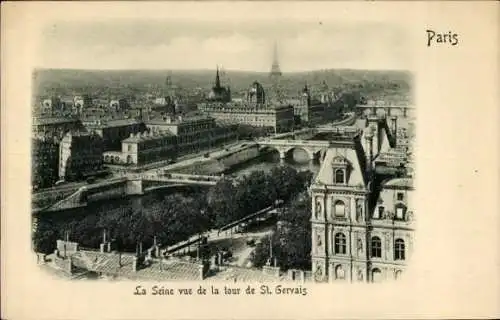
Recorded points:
(298, 160)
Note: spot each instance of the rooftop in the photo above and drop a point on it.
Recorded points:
(52, 120)
(240, 274)
(398, 183)
(113, 123)
(177, 121)
(121, 265)
(148, 136)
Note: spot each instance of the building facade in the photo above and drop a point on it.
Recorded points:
(168, 138)
(279, 118)
(44, 162)
(80, 156)
(54, 127)
(362, 218)
(340, 197)
(113, 132)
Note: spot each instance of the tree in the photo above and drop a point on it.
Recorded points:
(222, 204)
(291, 242)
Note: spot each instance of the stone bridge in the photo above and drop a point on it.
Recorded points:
(315, 149)
(177, 178)
(311, 147)
(373, 108)
(123, 186)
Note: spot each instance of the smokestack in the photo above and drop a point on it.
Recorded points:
(394, 125)
(369, 141)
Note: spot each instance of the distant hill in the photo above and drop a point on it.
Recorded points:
(117, 82)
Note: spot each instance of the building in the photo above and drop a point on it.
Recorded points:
(256, 95)
(362, 216)
(340, 197)
(278, 119)
(54, 127)
(219, 93)
(392, 224)
(80, 156)
(169, 138)
(44, 162)
(308, 110)
(143, 148)
(113, 131)
(255, 111)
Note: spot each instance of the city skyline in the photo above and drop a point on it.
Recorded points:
(247, 46)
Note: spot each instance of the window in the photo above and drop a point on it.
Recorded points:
(376, 247)
(339, 272)
(339, 176)
(376, 275)
(400, 196)
(397, 274)
(400, 212)
(379, 213)
(340, 243)
(339, 209)
(129, 147)
(399, 249)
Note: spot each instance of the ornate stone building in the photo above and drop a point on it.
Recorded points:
(362, 227)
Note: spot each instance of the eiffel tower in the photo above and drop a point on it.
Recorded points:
(275, 68)
(277, 94)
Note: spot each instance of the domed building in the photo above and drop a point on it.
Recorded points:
(256, 96)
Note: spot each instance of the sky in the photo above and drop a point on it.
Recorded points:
(236, 45)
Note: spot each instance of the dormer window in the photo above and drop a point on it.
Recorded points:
(400, 211)
(340, 170)
(339, 176)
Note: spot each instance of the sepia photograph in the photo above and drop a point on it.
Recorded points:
(258, 151)
(249, 160)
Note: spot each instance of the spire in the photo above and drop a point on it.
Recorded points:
(217, 78)
(275, 68)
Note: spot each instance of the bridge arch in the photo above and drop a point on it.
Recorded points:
(310, 153)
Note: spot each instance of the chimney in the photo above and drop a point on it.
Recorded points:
(369, 141)
(134, 264)
(201, 271)
(105, 245)
(394, 125)
(388, 111)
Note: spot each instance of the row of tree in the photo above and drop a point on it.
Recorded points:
(171, 218)
(290, 243)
